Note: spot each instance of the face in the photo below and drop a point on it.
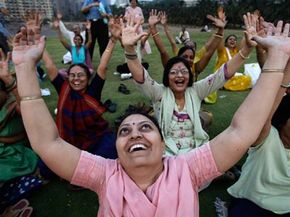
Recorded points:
(178, 78)
(189, 56)
(76, 29)
(133, 3)
(231, 42)
(78, 41)
(78, 79)
(139, 142)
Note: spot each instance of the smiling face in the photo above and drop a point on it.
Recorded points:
(76, 29)
(78, 79)
(189, 56)
(231, 42)
(133, 3)
(178, 78)
(78, 40)
(139, 142)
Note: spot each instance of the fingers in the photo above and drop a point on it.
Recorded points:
(17, 39)
(278, 28)
(210, 17)
(286, 30)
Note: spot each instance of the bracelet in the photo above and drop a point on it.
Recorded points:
(243, 57)
(218, 35)
(29, 98)
(107, 50)
(157, 33)
(131, 56)
(272, 70)
(285, 85)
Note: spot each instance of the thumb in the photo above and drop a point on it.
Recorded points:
(141, 35)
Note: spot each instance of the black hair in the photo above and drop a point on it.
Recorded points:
(83, 66)
(282, 114)
(185, 48)
(136, 1)
(139, 111)
(169, 65)
(231, 35)
(78, 35)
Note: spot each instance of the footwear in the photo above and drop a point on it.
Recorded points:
(123, 89)
(26, 212)
(14, 210)
(110, 106)
(126, 76)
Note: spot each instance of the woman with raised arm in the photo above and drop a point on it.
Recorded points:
(177, 101)
(197, 60)
(142, 182)
(79, 117)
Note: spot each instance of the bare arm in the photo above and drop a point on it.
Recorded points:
(153, 20)
(167, 32)
(214, 42)
(229, 146)
(49, 65)
(39, 124)
(88, 7)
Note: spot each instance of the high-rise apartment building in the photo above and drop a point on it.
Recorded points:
(18, 8)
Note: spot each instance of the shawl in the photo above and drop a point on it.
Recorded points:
(192, 104)
(173, 194)
(79, 118)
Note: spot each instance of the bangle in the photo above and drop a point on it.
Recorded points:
(157, 33)
(285, 85)
(107, 50)
(30, 98)
(218, 35)
(272, 70)
(131, 56)
(243, 57)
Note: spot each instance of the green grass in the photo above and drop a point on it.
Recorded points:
(54, 199)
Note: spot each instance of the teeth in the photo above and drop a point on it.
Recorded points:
(137, 147)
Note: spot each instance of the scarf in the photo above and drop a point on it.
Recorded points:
(79, 118)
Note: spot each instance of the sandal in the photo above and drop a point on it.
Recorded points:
(14, 210)
(123, 89)
(110, 106)
(26, 212)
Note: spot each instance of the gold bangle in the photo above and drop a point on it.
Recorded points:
(107, 50)
(30, 98)
(272, 70)
(218, 35)
(157, 33)
(285, 85)
(243, 57)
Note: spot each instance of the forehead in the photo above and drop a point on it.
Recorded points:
(135, 118)
(178, 65)
(76, 69)
(188, 52)
(232, 38)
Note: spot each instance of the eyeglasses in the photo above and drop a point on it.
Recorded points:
(78, 75)
(175, 72)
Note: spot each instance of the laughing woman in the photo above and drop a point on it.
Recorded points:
(142, 182)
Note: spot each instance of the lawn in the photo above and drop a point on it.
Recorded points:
(55, 199)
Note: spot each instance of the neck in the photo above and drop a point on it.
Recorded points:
(145, 176)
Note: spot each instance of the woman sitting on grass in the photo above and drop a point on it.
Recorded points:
(79, 117)
(142, 182)
(177, 101)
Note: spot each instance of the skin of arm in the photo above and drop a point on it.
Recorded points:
(242, 133)
(87, 8)
(39, 124)
(65, 32)
(214, 42)
(50, 65)
(167, 32)
(153, 20)
(63, 41)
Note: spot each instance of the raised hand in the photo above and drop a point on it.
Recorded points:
(163, 18)
(4, 71)
(154, 17)
(250, 21)
(115, 27)
(129, 35)
(27, 49)
(219, 21)
(33, 23)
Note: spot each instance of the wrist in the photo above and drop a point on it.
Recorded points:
(129, 49)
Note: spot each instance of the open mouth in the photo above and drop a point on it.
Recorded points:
(179, 82)
(137, 147)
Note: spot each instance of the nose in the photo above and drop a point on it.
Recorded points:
(136, 134)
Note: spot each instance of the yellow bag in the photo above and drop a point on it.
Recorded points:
(238, 82)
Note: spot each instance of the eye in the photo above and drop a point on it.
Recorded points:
(124, 131)
(145, 127)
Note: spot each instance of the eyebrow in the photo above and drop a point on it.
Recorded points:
(139, 123)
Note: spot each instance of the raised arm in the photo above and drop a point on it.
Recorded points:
(86, 7)
(214, 42)
(8, 79)
(66, 33)
(115, 30)
(248, 121)
(88, 27)
(50, 66)
(129, 39)
(154, 19)
(39, 124)
(163, 21)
